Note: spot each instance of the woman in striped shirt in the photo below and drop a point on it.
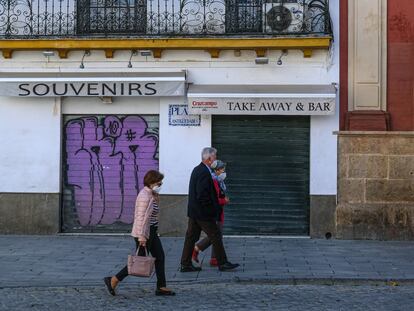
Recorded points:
(145, 233)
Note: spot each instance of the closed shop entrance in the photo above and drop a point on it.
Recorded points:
(268, 173)
(105, 158)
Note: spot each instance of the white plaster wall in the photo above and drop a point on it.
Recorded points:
(323, 155)
(294, 64)
(180, 148)
(323, 175)
(30, 145)
(119, 105)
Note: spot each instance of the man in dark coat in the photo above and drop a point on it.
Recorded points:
(203, 210)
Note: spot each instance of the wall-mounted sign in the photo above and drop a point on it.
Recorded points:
(269, 106)
(71, 84)
(179, 116)
(262, 99)
(42, 89)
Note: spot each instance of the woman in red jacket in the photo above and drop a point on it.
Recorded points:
(218, 175)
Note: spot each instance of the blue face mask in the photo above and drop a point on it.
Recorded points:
(222, 176)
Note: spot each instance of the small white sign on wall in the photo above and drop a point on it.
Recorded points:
(178, 115)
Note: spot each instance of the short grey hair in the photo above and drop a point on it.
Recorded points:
(208, 152)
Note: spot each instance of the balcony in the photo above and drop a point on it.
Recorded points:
(284, 23)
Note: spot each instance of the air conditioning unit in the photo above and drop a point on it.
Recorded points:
(283, 16)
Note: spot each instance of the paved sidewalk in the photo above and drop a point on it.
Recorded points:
(223, 297)
(36, 261)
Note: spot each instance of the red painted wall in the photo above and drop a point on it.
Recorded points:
(401, 64)
(343, 77)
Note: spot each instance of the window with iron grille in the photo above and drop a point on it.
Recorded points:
(244, 16)
(112, 16)
(202, 17)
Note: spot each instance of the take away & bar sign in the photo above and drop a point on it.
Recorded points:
(256, 101)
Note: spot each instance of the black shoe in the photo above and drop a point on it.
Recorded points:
(162, 292)
(190, 268)
(107, 281)
(228, 266)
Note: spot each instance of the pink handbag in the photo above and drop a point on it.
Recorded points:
(141, 265)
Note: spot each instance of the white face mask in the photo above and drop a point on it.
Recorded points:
(156, 189)
(222, 176)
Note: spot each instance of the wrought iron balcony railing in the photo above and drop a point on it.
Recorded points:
(162, 18)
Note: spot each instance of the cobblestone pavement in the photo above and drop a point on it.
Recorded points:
(211, 297)
(84, 260)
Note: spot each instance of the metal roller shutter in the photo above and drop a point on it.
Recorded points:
(268, 173)
(104, 161)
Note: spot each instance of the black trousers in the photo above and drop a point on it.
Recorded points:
(193, 235)
(154, 246)
(206, 242)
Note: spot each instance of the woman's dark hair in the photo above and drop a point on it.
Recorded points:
(152, 177)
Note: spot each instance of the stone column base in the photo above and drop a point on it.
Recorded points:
(29, 213)
(375, 221)
(173, 215)
(322, 216)
(375, 186)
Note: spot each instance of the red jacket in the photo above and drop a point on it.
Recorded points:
(221, 200)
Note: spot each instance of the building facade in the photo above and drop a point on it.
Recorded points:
(102, 92)
(375, 173)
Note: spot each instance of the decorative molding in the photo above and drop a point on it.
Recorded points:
(109, 53)
(261, 52)
(367, 89)
(7, 53)
(307, 53)
(212, 45)
(63, 53)
(374, 133)
(367, 120)
(157, 53)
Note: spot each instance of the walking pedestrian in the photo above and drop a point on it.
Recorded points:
(144, 231)
(219, 174)
(203, 210)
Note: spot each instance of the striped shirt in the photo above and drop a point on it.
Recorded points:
(154, 215)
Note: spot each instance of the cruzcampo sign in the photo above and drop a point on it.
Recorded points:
(262, 106)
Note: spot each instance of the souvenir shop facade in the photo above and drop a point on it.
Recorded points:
(79, 145)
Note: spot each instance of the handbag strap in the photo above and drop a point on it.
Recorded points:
(145, 248)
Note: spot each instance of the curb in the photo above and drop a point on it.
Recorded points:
(244, 281)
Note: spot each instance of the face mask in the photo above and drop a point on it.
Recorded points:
(222, 176)
(156, 189)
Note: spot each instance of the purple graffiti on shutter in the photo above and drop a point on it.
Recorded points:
(107, 159)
